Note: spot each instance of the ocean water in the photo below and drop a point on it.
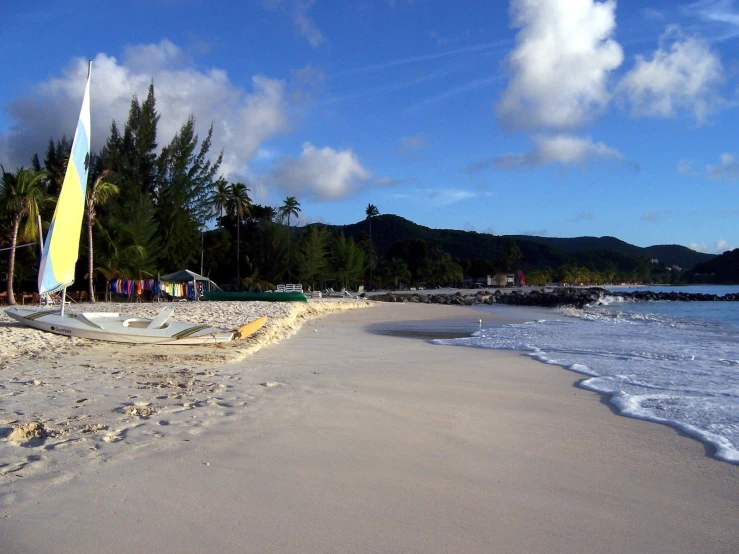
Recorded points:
(671, 362)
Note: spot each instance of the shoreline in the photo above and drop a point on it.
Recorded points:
(452, 329)
(351, 441)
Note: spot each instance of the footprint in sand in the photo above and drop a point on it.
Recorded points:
(116, 435)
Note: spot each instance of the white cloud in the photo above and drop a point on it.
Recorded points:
(722, 246)
(683, 74)
(651, 217)
(414, 142)
(306, 219)
(561, 64)
(412, 147)
(719, 247)
(728, 169)
(652, 14)
(242, 119)
(323, 174)
(265, 154)
(297, 11)
(388, 181)
(148, 57)
(685, 167)
(305, 25)
(655, 216)
(718, 13)
(562, 149)
(445, 197)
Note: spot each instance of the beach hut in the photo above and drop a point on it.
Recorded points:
(200, 283)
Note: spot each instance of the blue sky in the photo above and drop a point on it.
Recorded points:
(548, 117)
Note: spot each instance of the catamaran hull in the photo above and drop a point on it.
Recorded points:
(112, 327)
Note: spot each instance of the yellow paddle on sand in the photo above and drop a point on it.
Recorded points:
(250, 328)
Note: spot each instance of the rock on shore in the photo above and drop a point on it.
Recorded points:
(547, 298)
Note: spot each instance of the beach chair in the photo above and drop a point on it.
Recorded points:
(54, 299)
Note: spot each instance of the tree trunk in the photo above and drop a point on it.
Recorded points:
(372, 258)
(11, 261)
(91, 290)
(238, 253)
(289, 240)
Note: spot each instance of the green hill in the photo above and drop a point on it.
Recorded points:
(668, 254)
(538, 252)
(723, 269)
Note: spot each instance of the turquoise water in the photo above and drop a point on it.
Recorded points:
(672, 362)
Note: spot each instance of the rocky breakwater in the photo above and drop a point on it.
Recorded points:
(554, 298)
(547, 298)
(677, 296)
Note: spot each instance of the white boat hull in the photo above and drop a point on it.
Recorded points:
(113, 327)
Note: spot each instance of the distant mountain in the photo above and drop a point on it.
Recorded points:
(674, 254)
(723, 269)
(668, 254)
(537, 251)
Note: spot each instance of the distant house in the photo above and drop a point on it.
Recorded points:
(517, 279)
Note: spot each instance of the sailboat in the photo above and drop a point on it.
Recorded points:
(59, 257)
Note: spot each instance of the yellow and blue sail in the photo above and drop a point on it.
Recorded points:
(62, 244)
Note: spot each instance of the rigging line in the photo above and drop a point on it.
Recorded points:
(16, 247)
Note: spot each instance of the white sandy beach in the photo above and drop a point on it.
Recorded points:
(90, 394)
(338, 440)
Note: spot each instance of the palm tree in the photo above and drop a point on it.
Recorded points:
(21, 194)
(289, 207)
(98, 194)
(131, 245)
(239, 205)
(219, 199)
(371, 212)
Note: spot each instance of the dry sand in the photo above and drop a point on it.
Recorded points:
(342, 441)
(89, 394)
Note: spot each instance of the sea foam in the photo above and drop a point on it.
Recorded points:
(669, 362)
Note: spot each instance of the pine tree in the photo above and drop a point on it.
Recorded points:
(55, 163)
(184, 187)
